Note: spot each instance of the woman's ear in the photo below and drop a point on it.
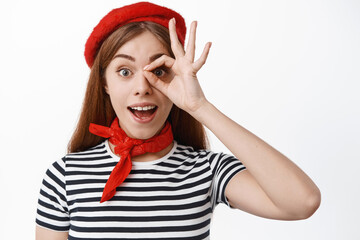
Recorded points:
(106, 89)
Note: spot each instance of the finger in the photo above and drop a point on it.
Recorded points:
(190, 48)
(156, 82)
(201, 61)
(176, 46)
(164, 60)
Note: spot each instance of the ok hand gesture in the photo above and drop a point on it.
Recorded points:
(184, 89)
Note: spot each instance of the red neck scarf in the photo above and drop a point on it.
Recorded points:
(128, 147)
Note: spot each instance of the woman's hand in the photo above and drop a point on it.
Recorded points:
(184, 89)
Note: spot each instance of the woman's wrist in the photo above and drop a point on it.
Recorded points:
(201, 112)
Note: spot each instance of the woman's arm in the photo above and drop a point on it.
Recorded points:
(272, 186)
(47, 234)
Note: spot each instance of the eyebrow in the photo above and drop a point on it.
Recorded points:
(156, 56)
(128, 57)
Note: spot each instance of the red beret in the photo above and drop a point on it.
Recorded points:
(138, 12)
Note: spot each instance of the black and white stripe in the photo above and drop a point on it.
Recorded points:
(169, 198)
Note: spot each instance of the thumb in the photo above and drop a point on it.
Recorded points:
(156, 82)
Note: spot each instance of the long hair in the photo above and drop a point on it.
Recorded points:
(97, 107)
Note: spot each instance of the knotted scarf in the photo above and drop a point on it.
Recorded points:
(126, 148)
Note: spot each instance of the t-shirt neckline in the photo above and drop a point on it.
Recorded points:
(114, 156)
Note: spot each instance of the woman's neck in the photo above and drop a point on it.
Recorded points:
(147, 156)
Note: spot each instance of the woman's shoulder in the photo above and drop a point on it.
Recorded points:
(189, 151)
(209, 155)
(96, 151)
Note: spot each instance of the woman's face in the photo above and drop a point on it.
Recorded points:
(142, 110)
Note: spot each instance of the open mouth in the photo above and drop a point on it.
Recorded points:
(143, 113)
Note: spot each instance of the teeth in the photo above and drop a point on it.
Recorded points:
(143, 108)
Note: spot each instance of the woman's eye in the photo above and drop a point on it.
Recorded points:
(124, 72)
(159, 72)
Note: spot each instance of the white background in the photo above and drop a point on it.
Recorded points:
(286, 70)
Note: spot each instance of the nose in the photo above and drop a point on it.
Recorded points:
(142, 85)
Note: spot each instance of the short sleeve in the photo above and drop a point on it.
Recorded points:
(223, 167)
(52, 210)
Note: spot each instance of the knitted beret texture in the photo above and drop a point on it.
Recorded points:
(138, 12)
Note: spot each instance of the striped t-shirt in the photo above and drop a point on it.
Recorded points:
(169, 198)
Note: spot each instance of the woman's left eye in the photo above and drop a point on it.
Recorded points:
(124, 72)
(159, 72)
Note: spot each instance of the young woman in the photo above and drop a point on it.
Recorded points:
(138, 165)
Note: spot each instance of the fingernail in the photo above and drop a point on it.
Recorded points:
(174, 20)
(146, 67)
